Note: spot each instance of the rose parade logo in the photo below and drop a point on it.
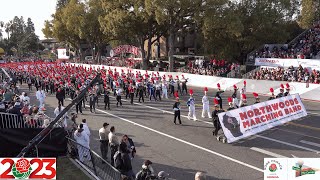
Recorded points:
(271, 168)
(27, 168)
(21, 169)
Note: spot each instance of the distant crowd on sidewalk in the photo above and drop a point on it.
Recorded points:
(290, 74)
(212, 67)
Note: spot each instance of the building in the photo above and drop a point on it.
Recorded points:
(185, 43)
(50, 44)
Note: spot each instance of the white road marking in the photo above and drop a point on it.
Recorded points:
(310, 143)
(294, 156)
(183, 141)
(267, 152)
(317, 114)
(302, 134)
(288, 144)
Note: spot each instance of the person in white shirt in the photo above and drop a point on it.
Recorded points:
(104, 140)
(57, 111)
(82, 139)
(26, 99)
(205, 104)
(164, 89)
(119, 92)
(113, 142)
(41, 96)
(21, 97)
(192, 106)
(85, 127)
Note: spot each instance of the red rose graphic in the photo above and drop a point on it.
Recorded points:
(273, 167)
(23, 165)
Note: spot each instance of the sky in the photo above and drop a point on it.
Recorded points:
(37, 10)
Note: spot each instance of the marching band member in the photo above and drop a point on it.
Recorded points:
(171, 85)
(287, 93)
(118, 93)
(176, 108)
(219, 87)
(178, 84)
(164, 89)
(243, 101)
(106, 98)
(231, 106)
(215, 117)
(235, 101)
(218, 97)
(184, 84)
(205, 104)
(256, 96)
(272, 94)
(281, 91)
(92, 102)
(158, 89)
(131, 92)
(140, 92)
(191, 105)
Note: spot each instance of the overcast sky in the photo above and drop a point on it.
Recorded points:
(37, 10)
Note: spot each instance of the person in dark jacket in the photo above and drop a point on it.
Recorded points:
(106, 98)
(126, 168)
(15, 109)
(176, 109)
(215, 118)
(218, 97)
(79, 105)
(140, 92)
(60, 96)
(130, 145)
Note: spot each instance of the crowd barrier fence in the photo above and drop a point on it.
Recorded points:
(100, 167)
(259, 86)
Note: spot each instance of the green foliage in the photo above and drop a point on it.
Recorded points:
(236, 29)
(20, 36)
(227, 29)
(310, 13)
(129, 21)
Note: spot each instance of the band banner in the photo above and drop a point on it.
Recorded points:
(247, 121)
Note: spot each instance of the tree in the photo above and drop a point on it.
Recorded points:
(235, 29)
(129, 21)
(61, 4)
(30, 38)
(175, 15)
(92, 31)
(67, 23)
(48, 29)
(310, 13)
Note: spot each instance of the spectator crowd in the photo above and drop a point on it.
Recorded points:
(211, 68)
(307, 46)
(290, 74)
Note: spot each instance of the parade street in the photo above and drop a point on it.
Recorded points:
(182, 150)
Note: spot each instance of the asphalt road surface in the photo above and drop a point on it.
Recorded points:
(182, 150)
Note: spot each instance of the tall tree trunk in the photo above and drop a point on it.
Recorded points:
(81, 54)
(171, 49)
(143, 54)
(147, 60)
